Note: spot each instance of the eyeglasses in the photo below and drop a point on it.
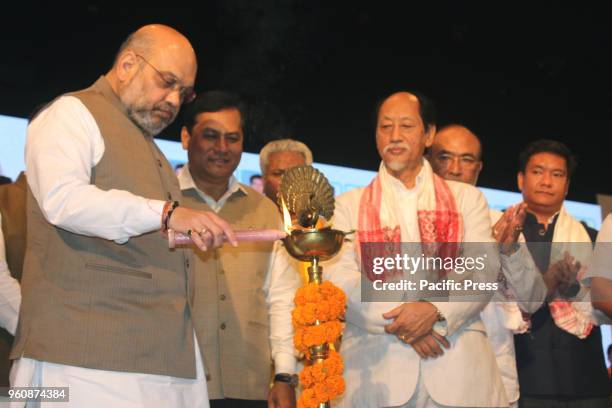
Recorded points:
(170, 81)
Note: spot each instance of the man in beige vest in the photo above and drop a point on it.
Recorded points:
(230, 312)
(107, 307)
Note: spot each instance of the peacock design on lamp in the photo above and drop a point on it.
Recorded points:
(307, 200)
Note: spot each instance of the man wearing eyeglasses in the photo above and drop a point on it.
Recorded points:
(106, 307)
(456, 154)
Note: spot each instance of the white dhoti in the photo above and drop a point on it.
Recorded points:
(94, 388)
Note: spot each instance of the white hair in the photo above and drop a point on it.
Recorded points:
(283, 145)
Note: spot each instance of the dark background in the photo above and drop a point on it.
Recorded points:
(512, 72)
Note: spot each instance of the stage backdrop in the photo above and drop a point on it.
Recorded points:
(12, 142)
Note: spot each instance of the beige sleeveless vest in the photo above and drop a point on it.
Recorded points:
(90, 302)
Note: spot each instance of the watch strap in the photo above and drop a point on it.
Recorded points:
(291, 379)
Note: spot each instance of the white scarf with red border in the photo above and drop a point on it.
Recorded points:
(438, 218)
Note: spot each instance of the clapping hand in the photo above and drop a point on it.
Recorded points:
(508, 228)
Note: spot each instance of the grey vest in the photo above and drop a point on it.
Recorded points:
(90, 302)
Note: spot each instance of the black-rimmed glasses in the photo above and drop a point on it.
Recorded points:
(170, 81)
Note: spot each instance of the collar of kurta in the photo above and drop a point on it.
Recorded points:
(534, 231)
(234, 187)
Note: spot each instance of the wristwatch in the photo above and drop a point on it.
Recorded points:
(291, 379)
(440, 317)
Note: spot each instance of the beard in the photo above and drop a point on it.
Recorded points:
(151, 119)
(396, 165)
(145, 118)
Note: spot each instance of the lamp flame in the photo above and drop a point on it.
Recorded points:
(288, 224)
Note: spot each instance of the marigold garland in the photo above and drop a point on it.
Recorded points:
(318, 308)
(332, 366)
(309, 336)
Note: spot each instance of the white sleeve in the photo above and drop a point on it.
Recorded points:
(282, 281)
(524, 279)
(10, 292)
(63, 145)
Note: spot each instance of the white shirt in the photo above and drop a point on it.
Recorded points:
(186, 181)
(63, 145)
(10, 292)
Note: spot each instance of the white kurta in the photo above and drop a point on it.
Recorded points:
(382, 371)
(63, 145)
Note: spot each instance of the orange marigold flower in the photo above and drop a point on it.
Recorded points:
(335, 385)
(307, 399)
(313, 336)
(333, 330)
(299, 299)
(320, 392)
(323, 311)
(309, 313)
(325, 303)
(334, 363)
(318, 372)
(306, 380)
(304, 315)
